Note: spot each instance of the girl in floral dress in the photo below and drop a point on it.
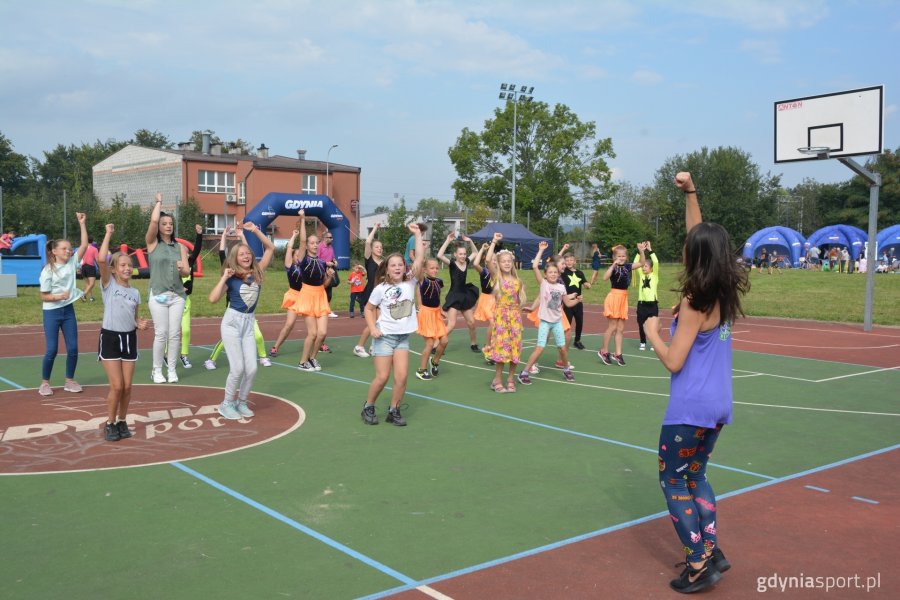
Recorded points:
(506, 339)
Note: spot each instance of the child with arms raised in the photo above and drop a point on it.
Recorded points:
(509, 296)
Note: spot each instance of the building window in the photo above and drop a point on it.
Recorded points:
(215, 182)
(309, 184)
(242, 192)
(215, 223)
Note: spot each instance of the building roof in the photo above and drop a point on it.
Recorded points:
(273, 162)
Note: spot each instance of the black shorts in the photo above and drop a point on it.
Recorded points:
(118, 345)
(88, 271)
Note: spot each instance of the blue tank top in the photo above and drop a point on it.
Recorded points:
(487, 286)
(700, 393)
(242, 295)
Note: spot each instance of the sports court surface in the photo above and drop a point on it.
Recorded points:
(551, 492)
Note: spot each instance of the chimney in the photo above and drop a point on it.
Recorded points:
(216, 149)
(205, 137)
(301, 154)
(189, 146)
(262, 151)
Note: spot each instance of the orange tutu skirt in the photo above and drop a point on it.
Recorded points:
(616, 304)
(484, 310)
(431, 323)
(312, 302)
(534, 318)
(291, 299)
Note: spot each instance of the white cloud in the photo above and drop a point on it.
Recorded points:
(765, 51)
(762, 15)
(646, 77)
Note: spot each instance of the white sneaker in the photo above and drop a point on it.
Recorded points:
(642, 347)
(264, 361)
(45, 390)
(332, 316)
(229, 411)
(360, 352)
(244, 410)
(209, 364)
(535, 369)
(157, 376)
(315, 364)
(173, 377)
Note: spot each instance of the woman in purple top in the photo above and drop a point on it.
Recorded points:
(699, 358)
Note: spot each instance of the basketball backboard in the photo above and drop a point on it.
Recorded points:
(847, 123)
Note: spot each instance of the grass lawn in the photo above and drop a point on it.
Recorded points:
(793, 294)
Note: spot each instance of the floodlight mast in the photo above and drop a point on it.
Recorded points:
(512, 93)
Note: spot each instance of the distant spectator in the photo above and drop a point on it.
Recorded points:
(326, 253)
(832, 258)
(845, 261)
(89, 269)
(410, 254)
(813, 257)
(6, 241)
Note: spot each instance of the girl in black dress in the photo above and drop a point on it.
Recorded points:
(462, 296)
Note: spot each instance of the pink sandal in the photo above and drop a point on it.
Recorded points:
(497, 386)
(511, 387)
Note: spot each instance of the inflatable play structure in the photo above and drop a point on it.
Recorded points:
(842, 236)
(26, 258)
(889, 239)
(278, 204)
(784, 240)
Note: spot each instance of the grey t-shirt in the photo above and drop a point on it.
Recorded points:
(164, 275)
(119, 303)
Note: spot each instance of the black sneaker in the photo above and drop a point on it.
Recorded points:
(111, 432)
(719, 561)
(368, 414)
(395, 418)
(619, 359)
(605, 357)
(434, 367)
(423, 374)
(693, 580)
(474, 348)
(434, 350)
(578, 344)
(124, 432)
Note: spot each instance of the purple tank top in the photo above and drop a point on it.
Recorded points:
(700, 393)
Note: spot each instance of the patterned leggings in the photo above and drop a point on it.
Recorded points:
(684, 451)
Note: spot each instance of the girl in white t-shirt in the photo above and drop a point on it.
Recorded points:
(58, 293)
(394, 296)
(118, 352)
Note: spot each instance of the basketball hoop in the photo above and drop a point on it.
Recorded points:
(817, 151)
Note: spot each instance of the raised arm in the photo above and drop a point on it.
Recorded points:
(476, 259)
(102, 263)
(420, 252)
(562, 250)
(472, 247)
(82, 223)
(153, 227)
(198, 245)
(367, 253)
(289, 250)
(692, 214)
(302, 230)
(489, 259)
(268, 245)
(441, 253)
(642, 260)
(536, 263)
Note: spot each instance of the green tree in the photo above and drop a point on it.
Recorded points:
(561, 166)
(15, 172)
(393, 237)
(732, 193)
(151, 139)
(615, 224)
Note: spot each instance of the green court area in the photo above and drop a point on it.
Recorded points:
(337, 509)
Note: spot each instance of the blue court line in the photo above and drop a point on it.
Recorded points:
(638, 521)
(818, 489)
(12, 383)
(298, 526)
(534, 423)
(865, 500)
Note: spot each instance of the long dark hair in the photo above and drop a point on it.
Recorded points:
(159, 238)
(711, 273)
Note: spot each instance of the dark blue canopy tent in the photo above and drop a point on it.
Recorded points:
(276, 204)
(842, 236)
(889, 239)
(516, 238)
(783, 239)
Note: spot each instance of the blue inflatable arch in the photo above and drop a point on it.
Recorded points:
(279, 204)
(783, 239)
(843, 236)
(889, 238)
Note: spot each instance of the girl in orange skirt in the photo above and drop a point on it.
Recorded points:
(291, 300)
(312, 303)
(484, 310)
(431, 324)
(615, 307)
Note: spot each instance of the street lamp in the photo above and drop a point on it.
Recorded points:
(327, 182)
(510, 93)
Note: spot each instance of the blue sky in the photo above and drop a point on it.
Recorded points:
(394, 83)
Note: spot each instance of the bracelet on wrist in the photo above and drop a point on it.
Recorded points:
(693, 191)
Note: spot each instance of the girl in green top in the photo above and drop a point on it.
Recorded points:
(168, 264)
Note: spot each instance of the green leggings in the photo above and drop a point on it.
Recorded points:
(260, 344)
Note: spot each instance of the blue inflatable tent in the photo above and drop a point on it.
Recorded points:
(842, 236)
(784, 240)
(889, 239)
(26, 259)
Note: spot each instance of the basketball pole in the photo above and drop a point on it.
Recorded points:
(874, 181)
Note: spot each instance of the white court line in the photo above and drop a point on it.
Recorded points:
(600, 387)
(819, 347)
(757, 373)
(433, 593)
(849, 331)
(855, 374)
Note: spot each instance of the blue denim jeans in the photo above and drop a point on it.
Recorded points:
(57, 319)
